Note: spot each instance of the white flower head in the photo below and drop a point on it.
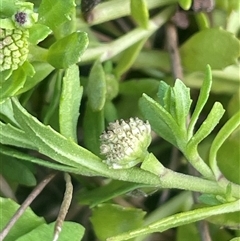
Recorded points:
(125, 143)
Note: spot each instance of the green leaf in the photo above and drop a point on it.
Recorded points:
(183, 103)
(129, 56)
(207, 126)
(136, 87)
(38, 32)
(42, 71)
(222, 135)
(14, 83)
(68, 50)
(7, 8)
(227, 220)
(70, 231)
(106, 192)
(54, 93)
(185, 4)
(139, 12)
(201, 101)
(6, 112)
(109, 220)
(187, 232)
(227, 163)
(11, 135)
(161, 121)
(93, 126)
(55, 13)
(26, 157)
(16, 171)
(97, 88)
(70, 102)
(179, 219)
(27, 222)
(215, 47)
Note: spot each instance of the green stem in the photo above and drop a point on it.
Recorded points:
(171, 179)
(107, 51)
(199, 164)
(107, 11)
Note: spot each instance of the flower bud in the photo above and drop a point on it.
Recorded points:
(125, 143)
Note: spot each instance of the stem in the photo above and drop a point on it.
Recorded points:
(64, 207)
(107, 11)
(171, 179)
(107, 51)
(199, 164)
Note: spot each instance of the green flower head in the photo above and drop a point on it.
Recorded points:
(125, 143)
(13, 48)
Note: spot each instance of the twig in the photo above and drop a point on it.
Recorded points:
(64, 207)
(25, 205)
(172, 42)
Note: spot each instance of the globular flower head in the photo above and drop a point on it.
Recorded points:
(13, 48)
(125, 143)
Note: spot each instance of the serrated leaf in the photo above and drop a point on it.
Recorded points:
(6, 112)
(11, 135)
(26, 157)
(27, 222)
(162, 92)
(161, 121)
(97, 88)
(70, 231)
(183, 103)
(139, 12)
(70, 102)
(216, 47)
(110, 219)
(67, 51)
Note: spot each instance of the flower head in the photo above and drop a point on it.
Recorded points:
(13, 48)
(125, 143)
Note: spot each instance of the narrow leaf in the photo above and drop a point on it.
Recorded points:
(93, 125)
(183, 103)
(97, 88)
(139, 12)
(202, 99)
(69, 103)
(222, 135)
(207, 126)
(161, 121)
